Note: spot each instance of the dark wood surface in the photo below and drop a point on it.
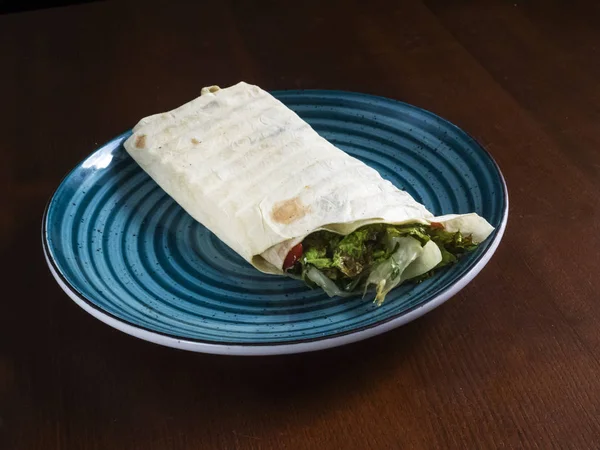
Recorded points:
(513, 361)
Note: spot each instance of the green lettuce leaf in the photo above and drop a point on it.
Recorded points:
(388, 274)
(323, 281)
(317, 256)
(425, 262)
(416, 231)
(453, 242)
(378, 254)
(351, 255)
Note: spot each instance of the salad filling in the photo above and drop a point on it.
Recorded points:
(377, 255)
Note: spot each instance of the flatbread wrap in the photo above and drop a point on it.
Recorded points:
(288, 201)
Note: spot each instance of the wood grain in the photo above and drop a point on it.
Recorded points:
(510, 362)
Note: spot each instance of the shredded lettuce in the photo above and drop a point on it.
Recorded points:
(415, 231)
(350, 256)
(377, 255)
(454, 243)
(328, 285)
(387, 274)
(451, 246)
(317, 256)
(425, 262)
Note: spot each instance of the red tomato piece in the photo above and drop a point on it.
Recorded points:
(294, 255)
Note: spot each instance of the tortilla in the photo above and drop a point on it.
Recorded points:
(261, 179)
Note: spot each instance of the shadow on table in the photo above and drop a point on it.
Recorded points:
(16, 6)
(248, 395)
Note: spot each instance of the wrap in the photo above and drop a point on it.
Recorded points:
(261, 179)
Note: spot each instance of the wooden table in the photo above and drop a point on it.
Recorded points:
(513, 361)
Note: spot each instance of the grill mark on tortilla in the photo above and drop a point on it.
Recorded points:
(217, 123)
(195, 141)
(253, 153)
(289, 211)
(140, 141)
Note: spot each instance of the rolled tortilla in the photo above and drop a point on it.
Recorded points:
(260, 178)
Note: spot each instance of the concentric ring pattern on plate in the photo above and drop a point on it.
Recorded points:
(118, 243)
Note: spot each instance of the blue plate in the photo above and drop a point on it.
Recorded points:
(125, 252)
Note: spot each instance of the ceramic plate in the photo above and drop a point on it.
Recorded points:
(125, 252)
